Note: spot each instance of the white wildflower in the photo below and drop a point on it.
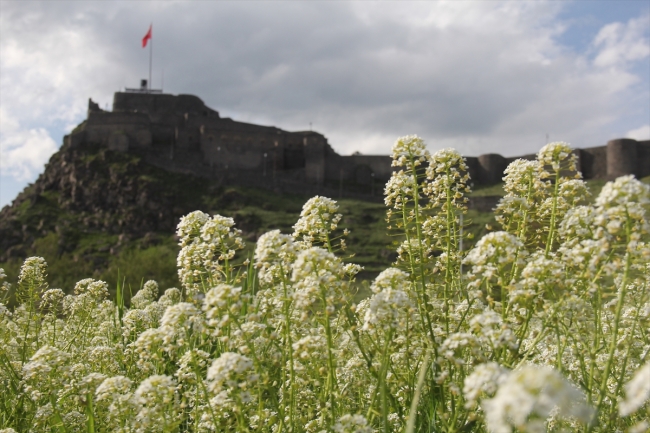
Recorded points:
(232, 373)
(409, 148)
(179, 323)
(274, 254)
(95, 288)
(316, 274)
(52, 298)
(637, 391)
(146, 295)
(352, 424)
(399, 189)
(387, 308)
(529, 395)
(557, 155)
(220, 303)
(391, 278)
(318, 219)
(157, 404)
(484, 381)
(190, 226)
(624, 190)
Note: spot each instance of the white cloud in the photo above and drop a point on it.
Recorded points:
(642, 133)
(621, 43)
(479, 76)
(23, 152)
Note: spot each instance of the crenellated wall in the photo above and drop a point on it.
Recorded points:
(180, 133)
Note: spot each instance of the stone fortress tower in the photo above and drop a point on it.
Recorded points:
(181, 134)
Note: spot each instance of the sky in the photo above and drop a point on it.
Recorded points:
(480, 76)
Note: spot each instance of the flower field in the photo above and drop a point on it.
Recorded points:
(542, 326)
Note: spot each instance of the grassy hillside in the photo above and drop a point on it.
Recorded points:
(106, 215)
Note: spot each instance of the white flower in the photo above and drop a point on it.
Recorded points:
(318, 218)
(557, 155)
(485, 379)
(501, 247)
(45, 371)
(387, 308)
(407, 148)
(274, 253)
(352, 424)
(490, 326)
(311, 345)
(157, 404)
(52, 298)
(47, 360)
(170, 297)
(317, 273)
(196, 267)
(33, 271)
(178, 323)
(624, 190)
(529, 395)
(154, 390)
(146, 295)
(219, 230)
(231, 371)
(113, 388)
(518, 177)
(31, 280)
(456, 343)
(182, 315)
(219, 303)
(399, 189)
(637, 391)
(94, 288)
(390, 278)
(190, 362)
(190, 226)
(447, 175)
(578, 222)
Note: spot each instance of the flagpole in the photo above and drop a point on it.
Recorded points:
(150, 57)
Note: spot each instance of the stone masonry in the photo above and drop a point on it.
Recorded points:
(181, 134)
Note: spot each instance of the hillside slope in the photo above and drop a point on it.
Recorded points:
(94, 211)
(98, 213)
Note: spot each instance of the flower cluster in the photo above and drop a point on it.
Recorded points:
(540, 326)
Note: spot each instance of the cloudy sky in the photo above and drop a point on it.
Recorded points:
(481, 76)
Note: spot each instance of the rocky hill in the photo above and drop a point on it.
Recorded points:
(95, 212)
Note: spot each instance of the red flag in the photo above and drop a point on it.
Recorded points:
(146, 38)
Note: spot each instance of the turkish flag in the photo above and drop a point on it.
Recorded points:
(146, 38)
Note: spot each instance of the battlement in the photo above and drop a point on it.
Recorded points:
(180, 133)
(151, 103)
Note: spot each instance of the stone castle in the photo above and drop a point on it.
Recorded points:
(181, 134)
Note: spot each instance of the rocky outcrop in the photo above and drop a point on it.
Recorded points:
(92, 189)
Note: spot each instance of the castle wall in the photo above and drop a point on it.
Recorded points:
(621, 158)
(490, 168)
(315, 159)
(593, 162)
(643, 161)
(118, 131)
(166, 103)
(379, 165)
(180, 133)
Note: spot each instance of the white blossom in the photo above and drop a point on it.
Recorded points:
(637, 391)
